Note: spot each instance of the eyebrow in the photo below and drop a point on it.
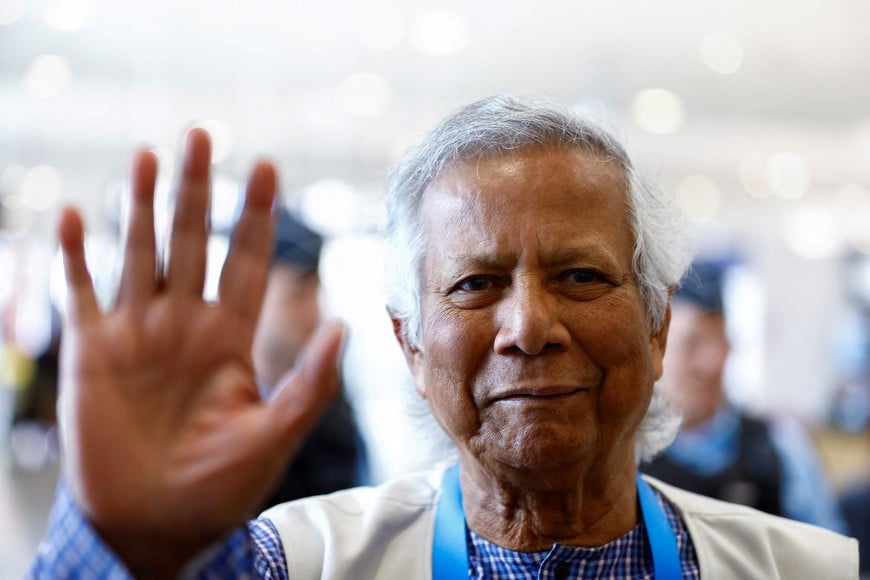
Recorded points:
(565, 256)
(555, 259)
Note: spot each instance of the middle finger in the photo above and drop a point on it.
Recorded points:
(188, 244)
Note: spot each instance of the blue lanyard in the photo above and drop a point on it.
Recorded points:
(662, 541)
(450, 552)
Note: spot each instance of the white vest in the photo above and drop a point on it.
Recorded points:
(386, 532)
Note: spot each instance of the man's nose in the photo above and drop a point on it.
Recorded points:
(530, 321)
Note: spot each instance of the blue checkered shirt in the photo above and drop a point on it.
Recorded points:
(628, 556)
(73, 549)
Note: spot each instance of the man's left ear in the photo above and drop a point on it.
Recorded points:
(413, 356)
(659, 343)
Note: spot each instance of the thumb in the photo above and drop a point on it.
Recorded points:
(313, 383)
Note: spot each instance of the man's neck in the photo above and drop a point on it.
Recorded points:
(527, 513)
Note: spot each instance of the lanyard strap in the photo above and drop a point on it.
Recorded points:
(662, 541)
(450, 552)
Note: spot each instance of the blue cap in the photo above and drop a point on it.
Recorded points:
(295, 243)
(702, 286)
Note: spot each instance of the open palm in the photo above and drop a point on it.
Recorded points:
(167, 445)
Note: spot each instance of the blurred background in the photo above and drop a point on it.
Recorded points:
(755, 116)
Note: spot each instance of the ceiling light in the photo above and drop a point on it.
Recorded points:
(41, 187)
(439, 34)
(658, 111)
(48, 76)
(68, 15)
(812, 233)
(722, 53)
(699, 197)
(787, 175)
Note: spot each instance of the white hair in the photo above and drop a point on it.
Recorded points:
(506, 123)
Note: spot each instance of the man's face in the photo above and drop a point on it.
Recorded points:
(697, 351)
(535, 351)
(289, 317)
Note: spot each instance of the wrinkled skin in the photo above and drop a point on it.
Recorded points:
(167, 445)
(536, 354)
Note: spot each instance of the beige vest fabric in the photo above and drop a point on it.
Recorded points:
(386, 532)
(734, 541)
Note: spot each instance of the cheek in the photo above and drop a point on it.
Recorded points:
(615, 337)
(616, 340)
(447, 370)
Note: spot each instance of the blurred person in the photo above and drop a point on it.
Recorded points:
(332, 455)
(17, 364)
(39, 400)
(528, 289)
(855, 504)
(721, 451)
(30, 339)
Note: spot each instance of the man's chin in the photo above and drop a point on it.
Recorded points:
(545, 455)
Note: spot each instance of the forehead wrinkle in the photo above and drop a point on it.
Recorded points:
(484, 256)
(567, 255)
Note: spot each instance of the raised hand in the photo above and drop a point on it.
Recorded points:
(167, 445)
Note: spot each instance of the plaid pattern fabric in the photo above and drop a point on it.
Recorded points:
(73, 549)
(628, 556)
(269, 560)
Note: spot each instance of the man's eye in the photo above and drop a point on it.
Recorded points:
(475, 284)
(582, 276)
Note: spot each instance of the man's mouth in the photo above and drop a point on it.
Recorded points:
(540, 393)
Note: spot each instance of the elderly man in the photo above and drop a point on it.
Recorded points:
(530, 282)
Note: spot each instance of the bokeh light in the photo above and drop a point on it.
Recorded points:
(787, 175)
(69, 15)
(41, 188)
(811, 232)
(364, 95)
(699, 197)
(721, 52)
(657, 111)
(439, 34)
(48, 76)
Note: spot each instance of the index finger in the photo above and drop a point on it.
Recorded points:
(81, 299)
(243, 279)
